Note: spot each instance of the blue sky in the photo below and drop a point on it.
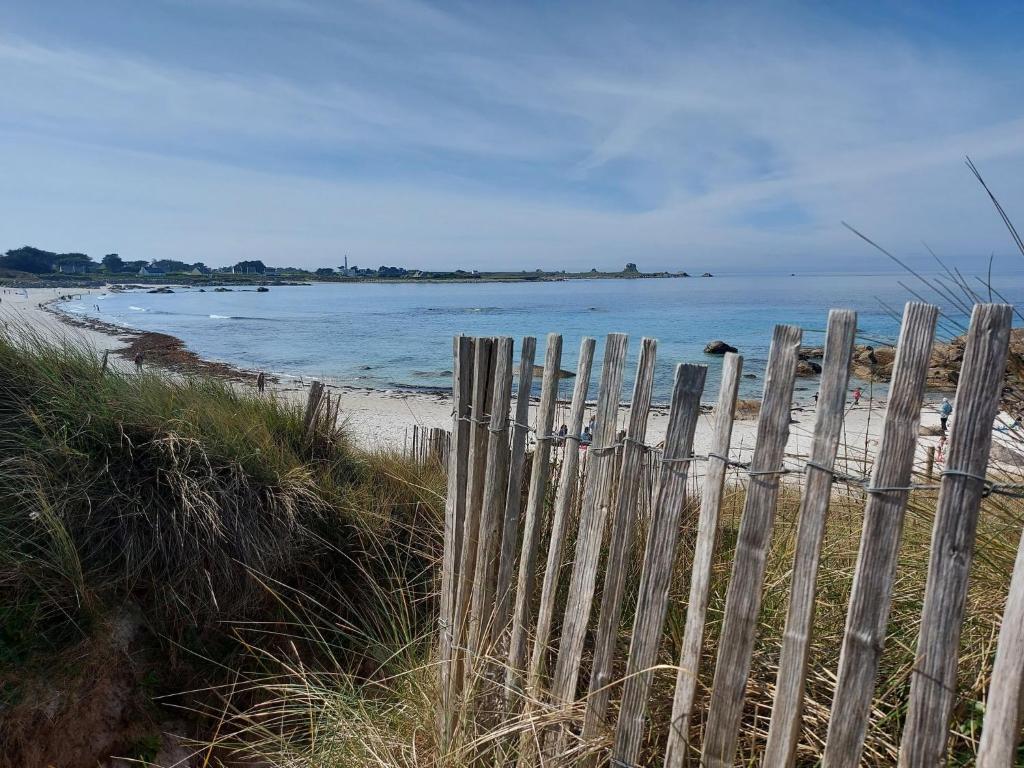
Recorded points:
(697, 136)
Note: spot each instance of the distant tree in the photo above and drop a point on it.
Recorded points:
(251, 267)
(324, 271)
(135, 266)
(172, 265)
(29, 259)
(594, 269)
(113, 263)
(383, 271)
(631, 267)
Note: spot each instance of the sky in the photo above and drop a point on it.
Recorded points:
(726, 137)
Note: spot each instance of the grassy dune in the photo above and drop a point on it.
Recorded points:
(217, 568)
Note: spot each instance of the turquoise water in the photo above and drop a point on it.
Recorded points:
(398, 336)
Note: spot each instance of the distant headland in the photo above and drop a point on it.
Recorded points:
(29, 266)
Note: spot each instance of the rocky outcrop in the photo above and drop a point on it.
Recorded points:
(805, 368)
(811, 353)
(718, 347)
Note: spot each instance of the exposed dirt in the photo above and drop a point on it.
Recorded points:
(89, 709)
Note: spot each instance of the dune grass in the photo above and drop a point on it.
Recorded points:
(286, 580)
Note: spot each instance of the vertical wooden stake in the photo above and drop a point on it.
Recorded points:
(787, 709)
(513, 498)
(868, 613)
(629, 473)
(1000, 732)
(534, 509)
(495, 485)
(929, 467)
(659, 554)
(483, 389)
(933, 681)
(743, 598)
(454, 512)
(592, 520)
(700, 574)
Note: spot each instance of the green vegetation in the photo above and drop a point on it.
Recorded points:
(154, 530)
(178, 556)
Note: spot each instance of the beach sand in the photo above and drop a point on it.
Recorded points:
(384, 419)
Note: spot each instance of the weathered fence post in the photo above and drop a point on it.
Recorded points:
(483, 378)
(743, 598)
(700, 573)
(868, 613)
(534, 510)
(929, 465)
(787, 707)
(1000, 731)
(659, 553)
(591, 530)
(621, 537)
(513, 498)
(933, 680)
(495, 486)
(454, 513)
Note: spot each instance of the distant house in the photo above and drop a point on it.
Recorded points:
(145, 271)
(196, 271)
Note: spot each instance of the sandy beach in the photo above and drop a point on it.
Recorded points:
(383, 419)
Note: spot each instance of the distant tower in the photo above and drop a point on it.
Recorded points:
(346, 263)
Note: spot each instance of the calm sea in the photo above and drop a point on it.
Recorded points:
(398, 336)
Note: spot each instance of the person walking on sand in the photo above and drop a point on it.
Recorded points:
(261, 382)
(945, 410)
(138, 362)
(856, 395)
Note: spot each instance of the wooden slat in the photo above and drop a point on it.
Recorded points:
(513, 497)
(567, 484)
(659, 553)
(540, 471)
(743, 598)
(700, 577)
(703, 555)
(454, 511)
(933, 680)
(601, 458)
(787, 709)
(868, 613)
(560, 517)
(495, 486)
(1004, 708)
(483, 389)
(629, 474)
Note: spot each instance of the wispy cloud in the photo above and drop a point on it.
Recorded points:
(488, 134)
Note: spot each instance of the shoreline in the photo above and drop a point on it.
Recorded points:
(383, 418)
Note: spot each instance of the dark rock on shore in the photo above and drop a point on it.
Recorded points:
(806, 368)
(811, 353)
(718, 347)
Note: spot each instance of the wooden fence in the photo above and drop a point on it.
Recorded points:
(501, 664)
(426, 445)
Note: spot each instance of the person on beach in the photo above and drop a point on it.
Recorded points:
(562, 432)
(945, 410)
(261, 382)
(138, 362)
(587, 437)
(940, 452)
(856, 395)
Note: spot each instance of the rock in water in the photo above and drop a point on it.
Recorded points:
(718, 347)
(807, 368)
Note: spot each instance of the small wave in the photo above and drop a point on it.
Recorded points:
(473, 310)
(221, 317)
(137, 309)
(431, 374)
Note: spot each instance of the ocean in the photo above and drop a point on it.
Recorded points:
(398, 336)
